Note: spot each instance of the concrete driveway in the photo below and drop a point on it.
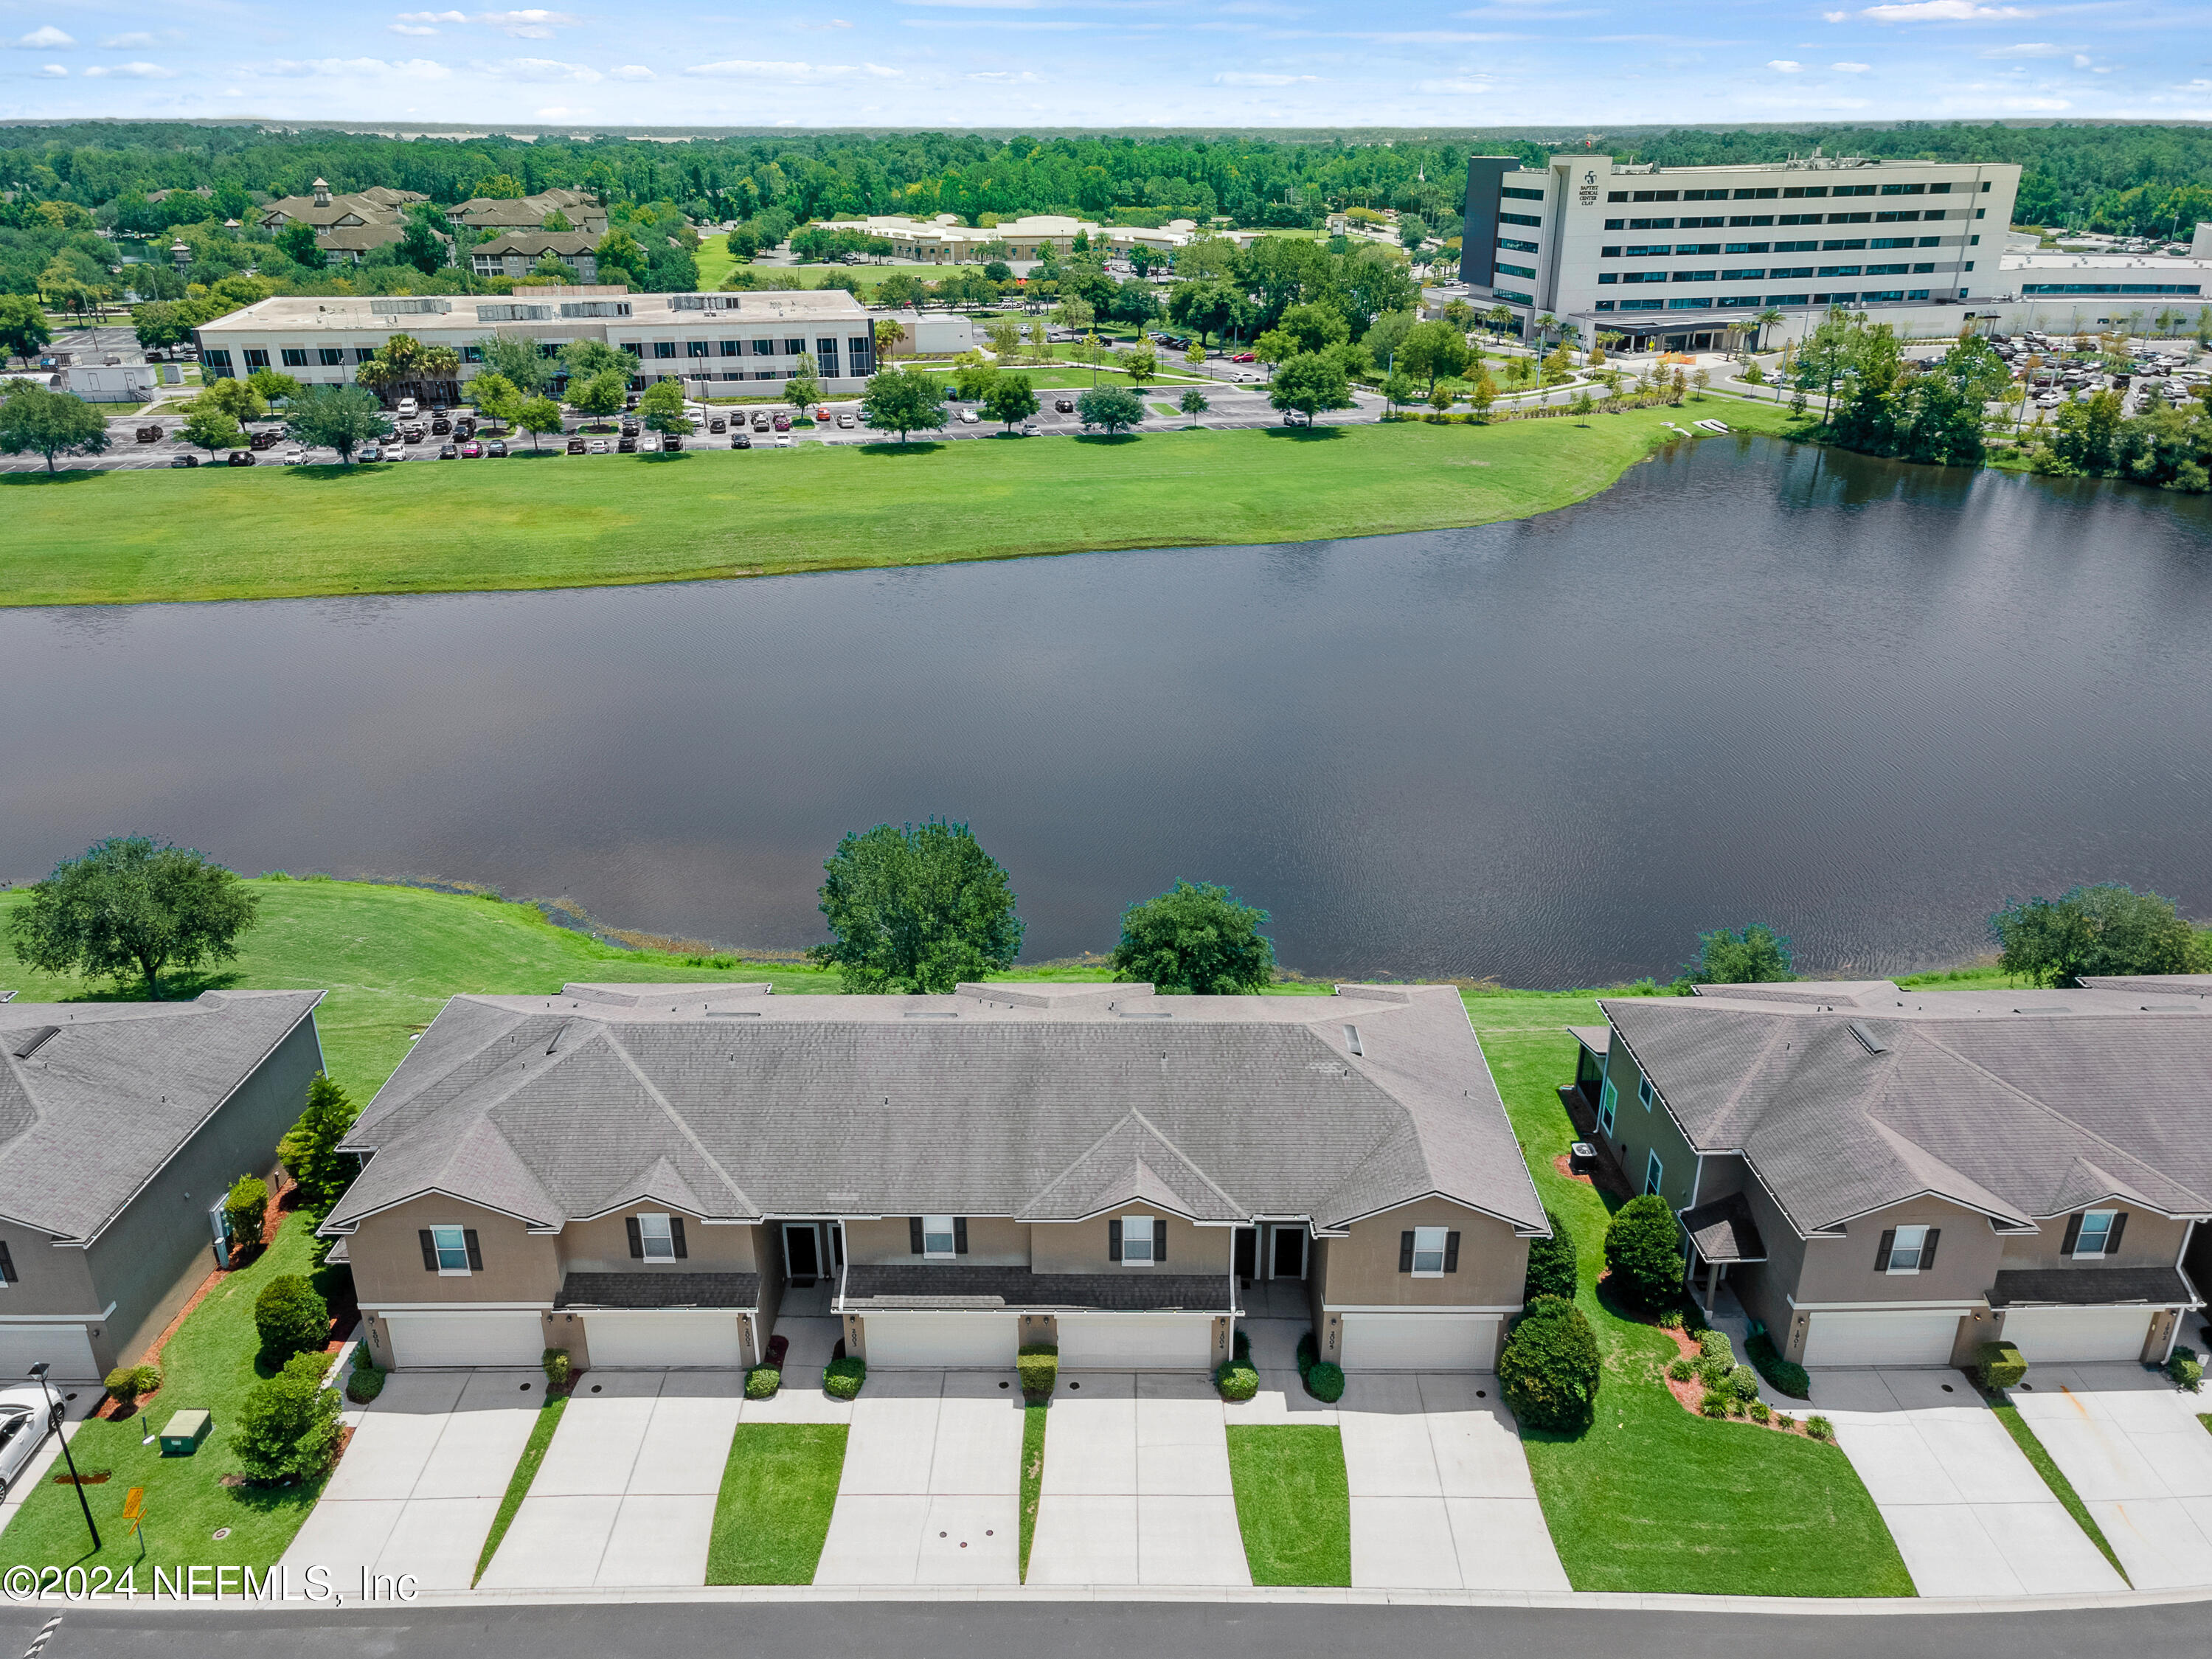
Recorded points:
(2130, 1443)
(626, 1495)
(1970, 1514)
(1441, 1495)
(930, 1492)
(422, 1479)
(1136, 1484)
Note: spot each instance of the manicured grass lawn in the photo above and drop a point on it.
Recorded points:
(714, 260)
(526, 1471)
(2055, 1478)
(207, 1364)
(1293, 1502)
(1652, 1499)
(113, 537)
(1033, 1426)
(778, 1490)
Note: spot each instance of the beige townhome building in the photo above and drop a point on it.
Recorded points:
(645, 1176)
(1893, 1177)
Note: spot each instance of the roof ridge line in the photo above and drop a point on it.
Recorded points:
(1189, 1162)
(676, 1118)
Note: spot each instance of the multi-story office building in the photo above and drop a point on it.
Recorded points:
(1692, 256)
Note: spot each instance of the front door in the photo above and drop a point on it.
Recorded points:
(1247, 1254)
(801, 1252)
(1289, 1254)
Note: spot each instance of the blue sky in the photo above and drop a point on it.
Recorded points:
(1583, 64)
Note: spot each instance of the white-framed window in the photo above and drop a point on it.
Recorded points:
(1429, 1252)
(1906, 1249)
(938, 1238)
(1609, 1102)
(1136, 1241)
(1654, 1172)
(2096, 1232)
(658, 1238)
(451, 1245)
(1644, 1092)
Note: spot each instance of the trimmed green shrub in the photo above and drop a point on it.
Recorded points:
(1713, 1344)
(364, 1382)
(246, 1210)
(1783, 1376)
(2186, 1370)
(127, 1382)
(1784, 1420)
(762, 1381)
(1308, 1353)
(1644, 1250)
(1743, 1382)
(1714, 1369)
(560, 1369)
(1552, 1270)
(842, 1380)
(1236, 1379)
(1325, 1382)
(1549, 1371)
(1682, 1369)
(288, 1426)
(1716, 1405)
(1820, 1428)
(1736, 1406)
(1241, 1347)
(1760, 1410)
(291, 1318)
(1038, 1363)
(1998, 1365)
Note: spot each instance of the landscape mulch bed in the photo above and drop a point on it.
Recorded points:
(1691, 1393)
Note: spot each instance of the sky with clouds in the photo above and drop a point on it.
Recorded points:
(916, 64)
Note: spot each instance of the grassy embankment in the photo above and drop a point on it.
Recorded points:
(213, 533)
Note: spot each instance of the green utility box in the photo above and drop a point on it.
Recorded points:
(185, 1432)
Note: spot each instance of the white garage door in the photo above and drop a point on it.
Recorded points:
(1135, 1342)
(954, 1342)
(2052, 1336)
(1907, 1337)
(1420, 1342)
(657, 1338)
(66, 1348)
(473, 1337)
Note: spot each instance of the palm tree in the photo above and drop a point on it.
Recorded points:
(1500, 318)
(888, 335)
(1771, 317)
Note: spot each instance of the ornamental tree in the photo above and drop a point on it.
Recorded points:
(1548, 1371)
(1309, 382)
(1113, 407)
(919, 907)
(1195, 939)
(904, 400)
(208, 428)
(49, 423)
(1644, 1251)
(338, 417)
(1010, 400)
(130, 908)
(539, 416)
(309, 1151)
(288, 1426)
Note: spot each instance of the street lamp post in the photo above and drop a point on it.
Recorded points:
(39, 1370)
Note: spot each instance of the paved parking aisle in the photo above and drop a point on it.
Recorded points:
(421, 1481)
(1970, 1514)
(626, 1496)
(2130, 1443)
(1136, 1484)
(1441, 1495)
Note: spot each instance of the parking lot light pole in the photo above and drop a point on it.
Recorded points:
(39, 1370)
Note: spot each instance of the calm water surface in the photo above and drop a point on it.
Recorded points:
(1863, 702)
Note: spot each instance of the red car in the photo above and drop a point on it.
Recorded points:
(1243, 357)
(471, 450)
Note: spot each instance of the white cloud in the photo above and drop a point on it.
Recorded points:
(532, 25)
(540, 68)
(631, 72)
(2028, 49)
(1851, 68)
(126, 42)
(412, 28)
(47, 39)
(433, 18)
(883, 73)
(52, 71)
(133, 71)
(1008, 77)
(1837, 17)
(419, 68)
(1784, 65)
(752, 68)
(1248, 78)
(834, 23)
(1942, 11)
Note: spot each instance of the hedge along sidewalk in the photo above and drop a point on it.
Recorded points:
(772, 1515)
(526, 1471)
(1293, 1502)
(1035, 1417)
(2055, 1478)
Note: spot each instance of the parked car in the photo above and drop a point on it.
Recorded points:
(184, 460)
(295, 456)
(626, 445)
(496, 448)
(465, 428)
(1244, 357)
(578, 447)
(599, 446)
(240, 457)
(441, 426)
(265, 439)
(760, 420)
(718, 424)
(845, 417)
(630, 402)
(741, 440)
(26, 1420)
(369, 452)
(783, 441)
(1295, 417)
(630, 428)
(449, 452)
(1064, 405)
(408, 409)
(150, 435)
(780, 421)
(471, 450)
(821, 413)
(670, 442)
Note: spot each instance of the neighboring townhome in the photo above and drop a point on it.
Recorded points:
(122, 1127)
(1892, 1177)
(516, 253)
(530, 212)
(645, 1176)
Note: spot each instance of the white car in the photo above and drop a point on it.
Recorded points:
(599, 446)
(409, 409)
(26, 1420)
(295, 456)
(969, 417)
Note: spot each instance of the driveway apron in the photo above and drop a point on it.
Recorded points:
(931, 1489)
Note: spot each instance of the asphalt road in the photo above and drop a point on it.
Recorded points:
(832, 1630)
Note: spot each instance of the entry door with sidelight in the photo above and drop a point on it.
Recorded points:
(1288, 1253)
(802, 1252)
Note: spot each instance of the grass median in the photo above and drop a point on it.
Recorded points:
(1033, 1427)
(216, 533)
(2032, 1448)
(772, 1516)
(1293, 1502)
(526, 1471)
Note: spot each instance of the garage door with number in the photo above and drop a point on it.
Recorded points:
(420, 1339)
(2055, 1336)
(1135, 1342)
(1880, 1337)
(662, 1339)
(947, 1341)
(66, 1348)
(1420, 1342)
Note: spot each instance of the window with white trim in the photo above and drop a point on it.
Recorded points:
(1644, 1092)
(1607, 1101)
(451, 1245)
(1906, 1249)
(1654, 1172)
(2096, 1234)
(1136, 1241)
(1429, 1252)
(938, 1238)
(658, 1238)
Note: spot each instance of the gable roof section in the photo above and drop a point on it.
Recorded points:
(1132, 1162)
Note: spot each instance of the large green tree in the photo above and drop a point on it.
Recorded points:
(210, 427)
(904, 400)
(1010, 399)
(1115, 408)
(340, 417)
(1196, 939)
(131, 908)
(1753, 957)
(49, 423)
(2109, 928)
(23, 331)
(1309, 382)
(1434, 350)
(309, 1150)
(916, 907)
(526, 366)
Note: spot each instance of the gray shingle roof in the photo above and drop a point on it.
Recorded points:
(99, 1106)
(1040, 1102)
(2090, 1287)
(1723, 1230)
(2183, 984)
(2021, 1104)
(957, 1285)
(639, 1289)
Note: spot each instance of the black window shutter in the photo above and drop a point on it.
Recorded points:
(914, 1234)
(1113, 1240)
(676, 1233)
(429, 1250)
(2073, 1233)
(1882, 1250)
(476, 1256)
(636, 1238)
(1160, 1239)
(1406, 1251)
(7, 1268)
(2112, 1238)
(1928, 1249)
(1451, 1253)
(959, 1235)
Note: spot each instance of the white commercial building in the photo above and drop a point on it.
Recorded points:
(945, 240)
(752, 338)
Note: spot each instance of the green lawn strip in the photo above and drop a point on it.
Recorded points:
(778, 1490)
(1652, 1499)
(2055, 1478)
(1033, 1426)
(526, 1471)
(217, 533)
(209, 1363)
(714, 262)
(1293, 1502)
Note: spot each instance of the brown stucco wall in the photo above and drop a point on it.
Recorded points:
(387, 1257)
(993, 1241)
(1079, 1247)
(1843, 1269)
(603, 1247)
(2149, 1240)
(1361, 1270)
